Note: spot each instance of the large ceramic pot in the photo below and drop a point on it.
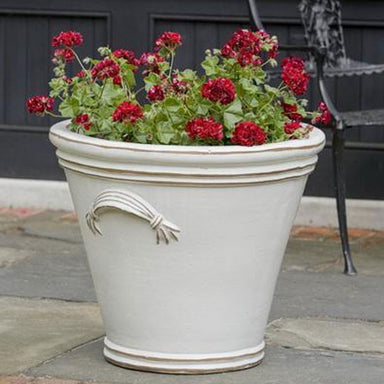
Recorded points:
(185, 244)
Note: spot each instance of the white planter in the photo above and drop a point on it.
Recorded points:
(199, 304)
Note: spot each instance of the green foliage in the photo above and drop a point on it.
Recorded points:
(164, 121)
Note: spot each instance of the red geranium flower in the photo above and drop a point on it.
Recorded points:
(127, 112)
(156, 93)
(67, 79)
(40, 104)
(104, 69)
(247, 58)
(179, 86)
(169, 40)
(248, 133)
(81, 74)
(117, 80)
(291, 111)
(291, 127)
(129, 56)
(244, 39)
(204, 128)
(227, 51)
(83, 120)
(294, 75)
(68, 39)
(274, 51)
(220, 89)
(151, 61)
(325, 117)
(246, 45)
(64, 54)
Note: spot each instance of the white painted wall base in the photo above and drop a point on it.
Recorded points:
(321, 211)
(25, 193)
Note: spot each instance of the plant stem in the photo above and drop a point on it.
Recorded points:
(52, 114)
(139, 90)
(265, 63)
(79, 61)
(102, 90)
(171, 66)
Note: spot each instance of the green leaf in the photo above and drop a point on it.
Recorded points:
(235, 107)
(230, 120)
(210, 65)
(129, 77)
(69, 107)
(202, 110)
(233, 114)
(188, 75)
(165, 132)
(151, 80)
(271, 90)
(112, 94)
(248, 86)
(173, 105)
(259, 76)
(104, 51)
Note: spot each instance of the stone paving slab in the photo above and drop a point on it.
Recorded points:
(39, 267)
(329, 334)
(303, 294)
(22, 379)
(325, 256)
(33, 331)
(62, 230)
(281, 366)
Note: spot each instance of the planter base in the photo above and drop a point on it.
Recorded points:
(182, 364)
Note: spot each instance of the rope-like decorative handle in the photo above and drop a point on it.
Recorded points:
(131, 203)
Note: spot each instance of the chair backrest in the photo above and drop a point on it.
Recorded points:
(255, 17)
(323, 29)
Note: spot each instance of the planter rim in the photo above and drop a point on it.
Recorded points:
(316, 138)
(192, 165)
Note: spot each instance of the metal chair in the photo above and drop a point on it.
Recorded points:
(327, 58)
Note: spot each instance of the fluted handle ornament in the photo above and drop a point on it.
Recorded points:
(131, 203)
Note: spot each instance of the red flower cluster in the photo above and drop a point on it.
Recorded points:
(325, 117)
(169, 40)
(129, 56)
(83, 120)
(117, 80)
(68, 39)
(156, 93)
(291, 127)
(220, 89)
(248, 133)
(244, 45)
(40, 104)
(81, 74)
(266, 38)
(291, 111)
(104, 69)
(67, 79)
(294, 75)
(151, 61)
(64, 54)
(127, 112)
(204, 128)
(179, 86)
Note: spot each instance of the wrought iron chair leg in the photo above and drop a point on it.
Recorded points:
(339, 182)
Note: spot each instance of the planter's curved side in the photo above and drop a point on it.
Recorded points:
(199, 304)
